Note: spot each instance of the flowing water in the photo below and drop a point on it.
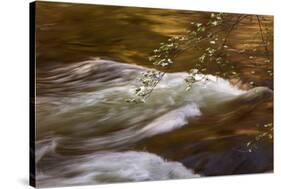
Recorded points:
(87, 134)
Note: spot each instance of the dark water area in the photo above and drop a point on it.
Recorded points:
(214, 143)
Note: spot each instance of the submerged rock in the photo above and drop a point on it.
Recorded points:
(232, 161)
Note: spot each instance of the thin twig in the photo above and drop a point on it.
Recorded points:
(238, 20)
(263, 40)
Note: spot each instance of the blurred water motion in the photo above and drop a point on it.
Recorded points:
(83, 122)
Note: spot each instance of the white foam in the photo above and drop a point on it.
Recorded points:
(100, 119)
(114, 167)
(171, 120)
(104, 110)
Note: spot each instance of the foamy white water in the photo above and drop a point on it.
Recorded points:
(106, 167)
(81, 108)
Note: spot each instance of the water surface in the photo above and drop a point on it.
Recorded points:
(88, 59)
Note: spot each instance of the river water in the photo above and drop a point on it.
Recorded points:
(87, 62)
